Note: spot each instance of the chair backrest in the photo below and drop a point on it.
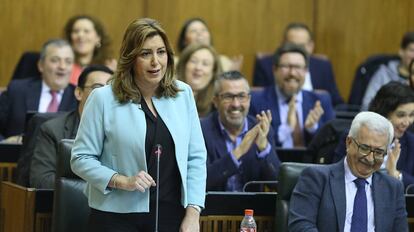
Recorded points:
(27, 66)
(288, 176)
(323, 144)
(31, 131)
(70, 208)
(263, 69)
(297, 154)
(363, 75)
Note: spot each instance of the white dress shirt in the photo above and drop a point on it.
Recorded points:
(46, 97)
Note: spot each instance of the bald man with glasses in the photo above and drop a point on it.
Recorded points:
(240, 148)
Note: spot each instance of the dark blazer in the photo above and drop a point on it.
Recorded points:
(405, 163)
(318, 202)
(43, 165)
(220, 166)
(268, 99)
(322, 76)
(23, 95)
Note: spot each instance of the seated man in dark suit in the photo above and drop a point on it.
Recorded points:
(320, 74)
(240, 148)
(43, 165)
(351, 195)
(50, 93)
(297, 113)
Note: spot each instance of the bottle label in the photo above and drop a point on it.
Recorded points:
(248, 230)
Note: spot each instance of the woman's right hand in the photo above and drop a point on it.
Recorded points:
(140, 182)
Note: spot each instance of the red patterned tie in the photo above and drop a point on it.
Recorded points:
(53, 105)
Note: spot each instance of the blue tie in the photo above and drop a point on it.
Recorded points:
(360, 216)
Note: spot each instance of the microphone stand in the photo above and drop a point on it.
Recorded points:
(158, 151)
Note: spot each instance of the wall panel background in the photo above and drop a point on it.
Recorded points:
(27, 24)
(350, 31)
(237, 26)
(346, 31)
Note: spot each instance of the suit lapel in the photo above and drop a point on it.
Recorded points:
(272, 98)
(71, 125)
(220, 146)
(33, 95)
(306, 105)
(67, 99)
(337, 183)
(378, 198)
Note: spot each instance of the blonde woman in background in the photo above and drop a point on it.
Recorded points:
(199, 67)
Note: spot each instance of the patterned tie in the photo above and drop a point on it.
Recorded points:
(360, 215)
(53, 105)
(297, 134)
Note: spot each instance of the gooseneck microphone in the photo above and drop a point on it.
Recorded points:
(157, 152)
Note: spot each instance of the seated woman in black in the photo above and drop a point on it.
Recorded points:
(394, 101)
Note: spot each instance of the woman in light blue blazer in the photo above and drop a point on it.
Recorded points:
(125, 125)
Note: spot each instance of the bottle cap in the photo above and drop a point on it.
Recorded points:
(248, 212)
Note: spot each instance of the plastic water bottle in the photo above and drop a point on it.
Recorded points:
(248, 224)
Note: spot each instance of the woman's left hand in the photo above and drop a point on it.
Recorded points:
(191, 221)
(392, 160)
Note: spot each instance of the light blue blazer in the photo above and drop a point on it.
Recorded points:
(111, 139)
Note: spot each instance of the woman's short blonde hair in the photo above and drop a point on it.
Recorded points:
(124, 86)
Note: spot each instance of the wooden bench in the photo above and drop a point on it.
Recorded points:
(9, 154)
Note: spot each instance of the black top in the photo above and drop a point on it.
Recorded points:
(170, 180)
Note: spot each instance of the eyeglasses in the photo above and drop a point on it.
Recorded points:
(228, 97)
(294, 67)
(94, 86)
(365, 150)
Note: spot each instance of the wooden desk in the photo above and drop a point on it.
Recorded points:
(25, 209)
(224, 211)
(30, 210)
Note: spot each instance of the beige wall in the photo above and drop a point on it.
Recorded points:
(27, 24)
(346, 31)
(349, 31)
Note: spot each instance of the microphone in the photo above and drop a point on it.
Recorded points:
(157, 152)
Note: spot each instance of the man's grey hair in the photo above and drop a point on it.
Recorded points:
(53, 42)
(229, 76)
(374, 122)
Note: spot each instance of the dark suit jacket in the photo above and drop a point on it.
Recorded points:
(43, 165)
(220, 166)
(405, 163)
(268, 99)
(23, 95)
(321, 72)
(318, 202)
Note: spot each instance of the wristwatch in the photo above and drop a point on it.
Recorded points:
(196, 207)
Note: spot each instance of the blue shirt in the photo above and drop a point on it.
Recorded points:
(234, 183)
(284, 131)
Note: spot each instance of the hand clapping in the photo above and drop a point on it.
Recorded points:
(314, 115)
